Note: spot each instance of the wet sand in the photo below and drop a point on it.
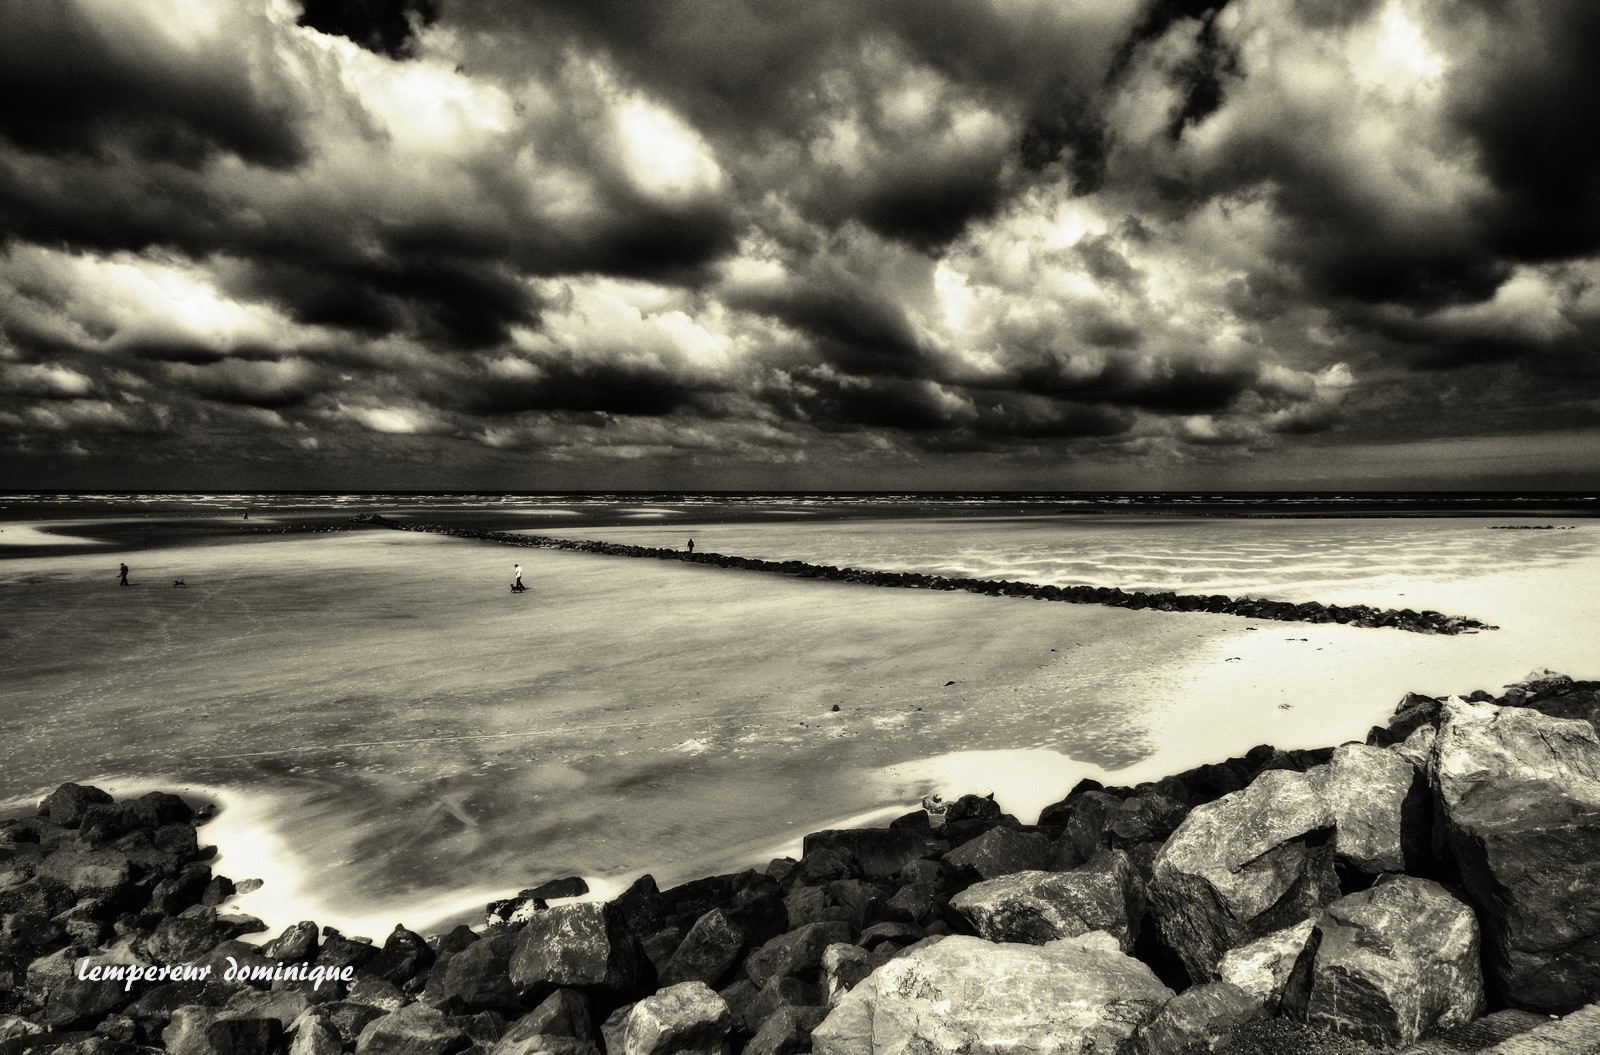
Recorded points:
(399, 738)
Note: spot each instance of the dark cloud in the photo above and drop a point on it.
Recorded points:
(102, 87)
(1531, 101)
(615, 230)
(272, 385)
(384, 26)
(568, 383)
(856, 330)
(1170, 385)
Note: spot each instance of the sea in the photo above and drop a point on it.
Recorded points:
(395, 737)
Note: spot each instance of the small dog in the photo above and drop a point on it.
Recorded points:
(180, 582)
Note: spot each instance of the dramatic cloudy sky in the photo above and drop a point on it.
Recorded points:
(799, 243)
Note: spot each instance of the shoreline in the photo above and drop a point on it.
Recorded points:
(808, 945)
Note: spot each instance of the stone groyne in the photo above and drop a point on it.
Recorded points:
(1430, 890)
(1425, 622)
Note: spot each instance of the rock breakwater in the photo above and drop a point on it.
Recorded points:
(1431, 889)
(1424, 622)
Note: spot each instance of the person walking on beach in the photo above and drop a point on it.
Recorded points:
(516, 586)
(691, 545)
(123, 575)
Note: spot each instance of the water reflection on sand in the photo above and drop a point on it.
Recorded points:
(396, 738)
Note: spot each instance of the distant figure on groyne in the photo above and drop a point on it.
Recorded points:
(123, 575)
(516, 585)
(691, 545)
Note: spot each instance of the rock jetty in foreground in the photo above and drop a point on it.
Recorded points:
(1433, 890)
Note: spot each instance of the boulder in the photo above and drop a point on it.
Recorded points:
(1038, 907)
(339, 951)
(1265, 968)
(230, 1035)
(89, 873)
(376, 992)
(564, 1013)
(70, 1001)
(586, 944)
(346, 1018)
(1248, 864)
(707, 953)
(191, 935)
(1396, 962)
(541, 1044)
(65, 805)
(640, 906)
(477, 977)
(797, 953)
(297, 944)
(683, 1019)
(845, 966)
(1581, 704)
(863, 903)
(414, 1030)
(185, 1032)
(950, 994)
(1001, 851)
(283, 1005)
(880, 852)
(1084, 831)
(1195, 1021)
(315, 1038)
(915, 901)
(1381, 810)
(404, 956)
(779, 993)
(1146, 818)
(787, 1031)
(1520, 796)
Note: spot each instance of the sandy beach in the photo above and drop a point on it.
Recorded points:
(396, 736)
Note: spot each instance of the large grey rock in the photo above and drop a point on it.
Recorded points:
(575, 945)
(315, 1038)
(707, 953)
(964, 994)
(1001, 851)
(1248, 864)
(787, 1031)
(1084, 832)
(414, 1030)
(70, 1001)
(346, 1018)
(477, 978)
(879, 852)
(796, 953)
(683, 1019)
(88, 873)
(66, 805)
(1396, 962)
(1264, 968)
(1038, 907)
(241, 1035)
(1520, 795)
(1194, 1021)
(843, 968)
(1381, 809)
(564, 1013)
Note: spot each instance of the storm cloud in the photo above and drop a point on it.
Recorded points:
(612, 241)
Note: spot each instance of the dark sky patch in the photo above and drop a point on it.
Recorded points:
(383, 26)
(76, 87)
(1531, 102)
